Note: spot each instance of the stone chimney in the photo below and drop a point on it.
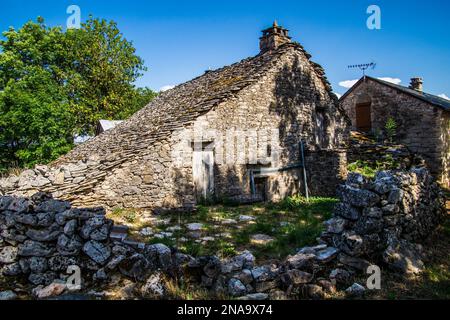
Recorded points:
(273, 37)
(416, 84)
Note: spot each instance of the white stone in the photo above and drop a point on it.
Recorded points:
(52, 290)
(194, 226)
(261, 239)
(146, 232)
(246, 218)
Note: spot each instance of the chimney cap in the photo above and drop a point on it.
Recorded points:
(416, 84)
(273, 37)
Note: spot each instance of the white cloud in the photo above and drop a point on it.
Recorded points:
(338, 95)
(165, 88)
(444, 96)
(348, 83)
(391, 80)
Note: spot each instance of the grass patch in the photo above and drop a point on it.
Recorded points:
(370, 168)
(292, 223)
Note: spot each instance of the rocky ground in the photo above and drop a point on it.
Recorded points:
(269, 231)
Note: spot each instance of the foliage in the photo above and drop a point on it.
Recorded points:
(57, 84)
(370, 168)
(391, 129)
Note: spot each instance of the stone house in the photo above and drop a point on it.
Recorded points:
(236, 132)
(423, 120)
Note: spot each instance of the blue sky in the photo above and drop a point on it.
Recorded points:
(179, 40)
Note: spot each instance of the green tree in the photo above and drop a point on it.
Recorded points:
(102, 68)
(57, 84)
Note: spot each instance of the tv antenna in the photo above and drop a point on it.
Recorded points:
(363, 67)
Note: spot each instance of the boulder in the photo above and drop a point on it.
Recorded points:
(154, 287)
(7, 295)
(61, 263)
(34, 249)
(346, 211)
(357, 197)
(353, 262)
(236, 288)
(368, 225)
(5, 201)
(13, 269)
(341, 277)
(355, 290)
(136, 267)
(301, 260)
(160, 254)
(352, 244)
(45, 219)
(69, 246)
(404, 257)
(52, 290)
(315, 292)
(45, 235)
(8, 255)
(263, 273)
(38, 264)
(296, 277)
(52, 205)
(326, 255)
(26, 219)
(335, 225)
(42, 278)
(98, 252)
(70, 227)
(20, 205)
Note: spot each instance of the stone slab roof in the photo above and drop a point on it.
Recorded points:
(431, 99)
(176, 108)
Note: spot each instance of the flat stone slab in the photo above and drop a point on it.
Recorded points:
(207, 239)
(194, 226)
(245, 218)
(261, 239)
(327, 254)
(163, 235)
(174, 228)
(146, 232)
(228, 221)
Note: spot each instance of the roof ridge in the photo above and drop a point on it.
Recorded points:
(425, 96)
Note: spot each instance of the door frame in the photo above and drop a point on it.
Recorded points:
(203, 172)
(366, 106)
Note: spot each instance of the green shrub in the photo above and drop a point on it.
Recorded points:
(391, 129)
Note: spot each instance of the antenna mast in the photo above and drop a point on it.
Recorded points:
(363, 67)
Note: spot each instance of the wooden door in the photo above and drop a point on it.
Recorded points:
(363, 117)
(203, 171)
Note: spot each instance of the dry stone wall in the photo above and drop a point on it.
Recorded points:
(379, 221)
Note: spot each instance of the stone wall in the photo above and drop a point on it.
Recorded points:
(378, 221)
(41, 237)
(422, 127)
